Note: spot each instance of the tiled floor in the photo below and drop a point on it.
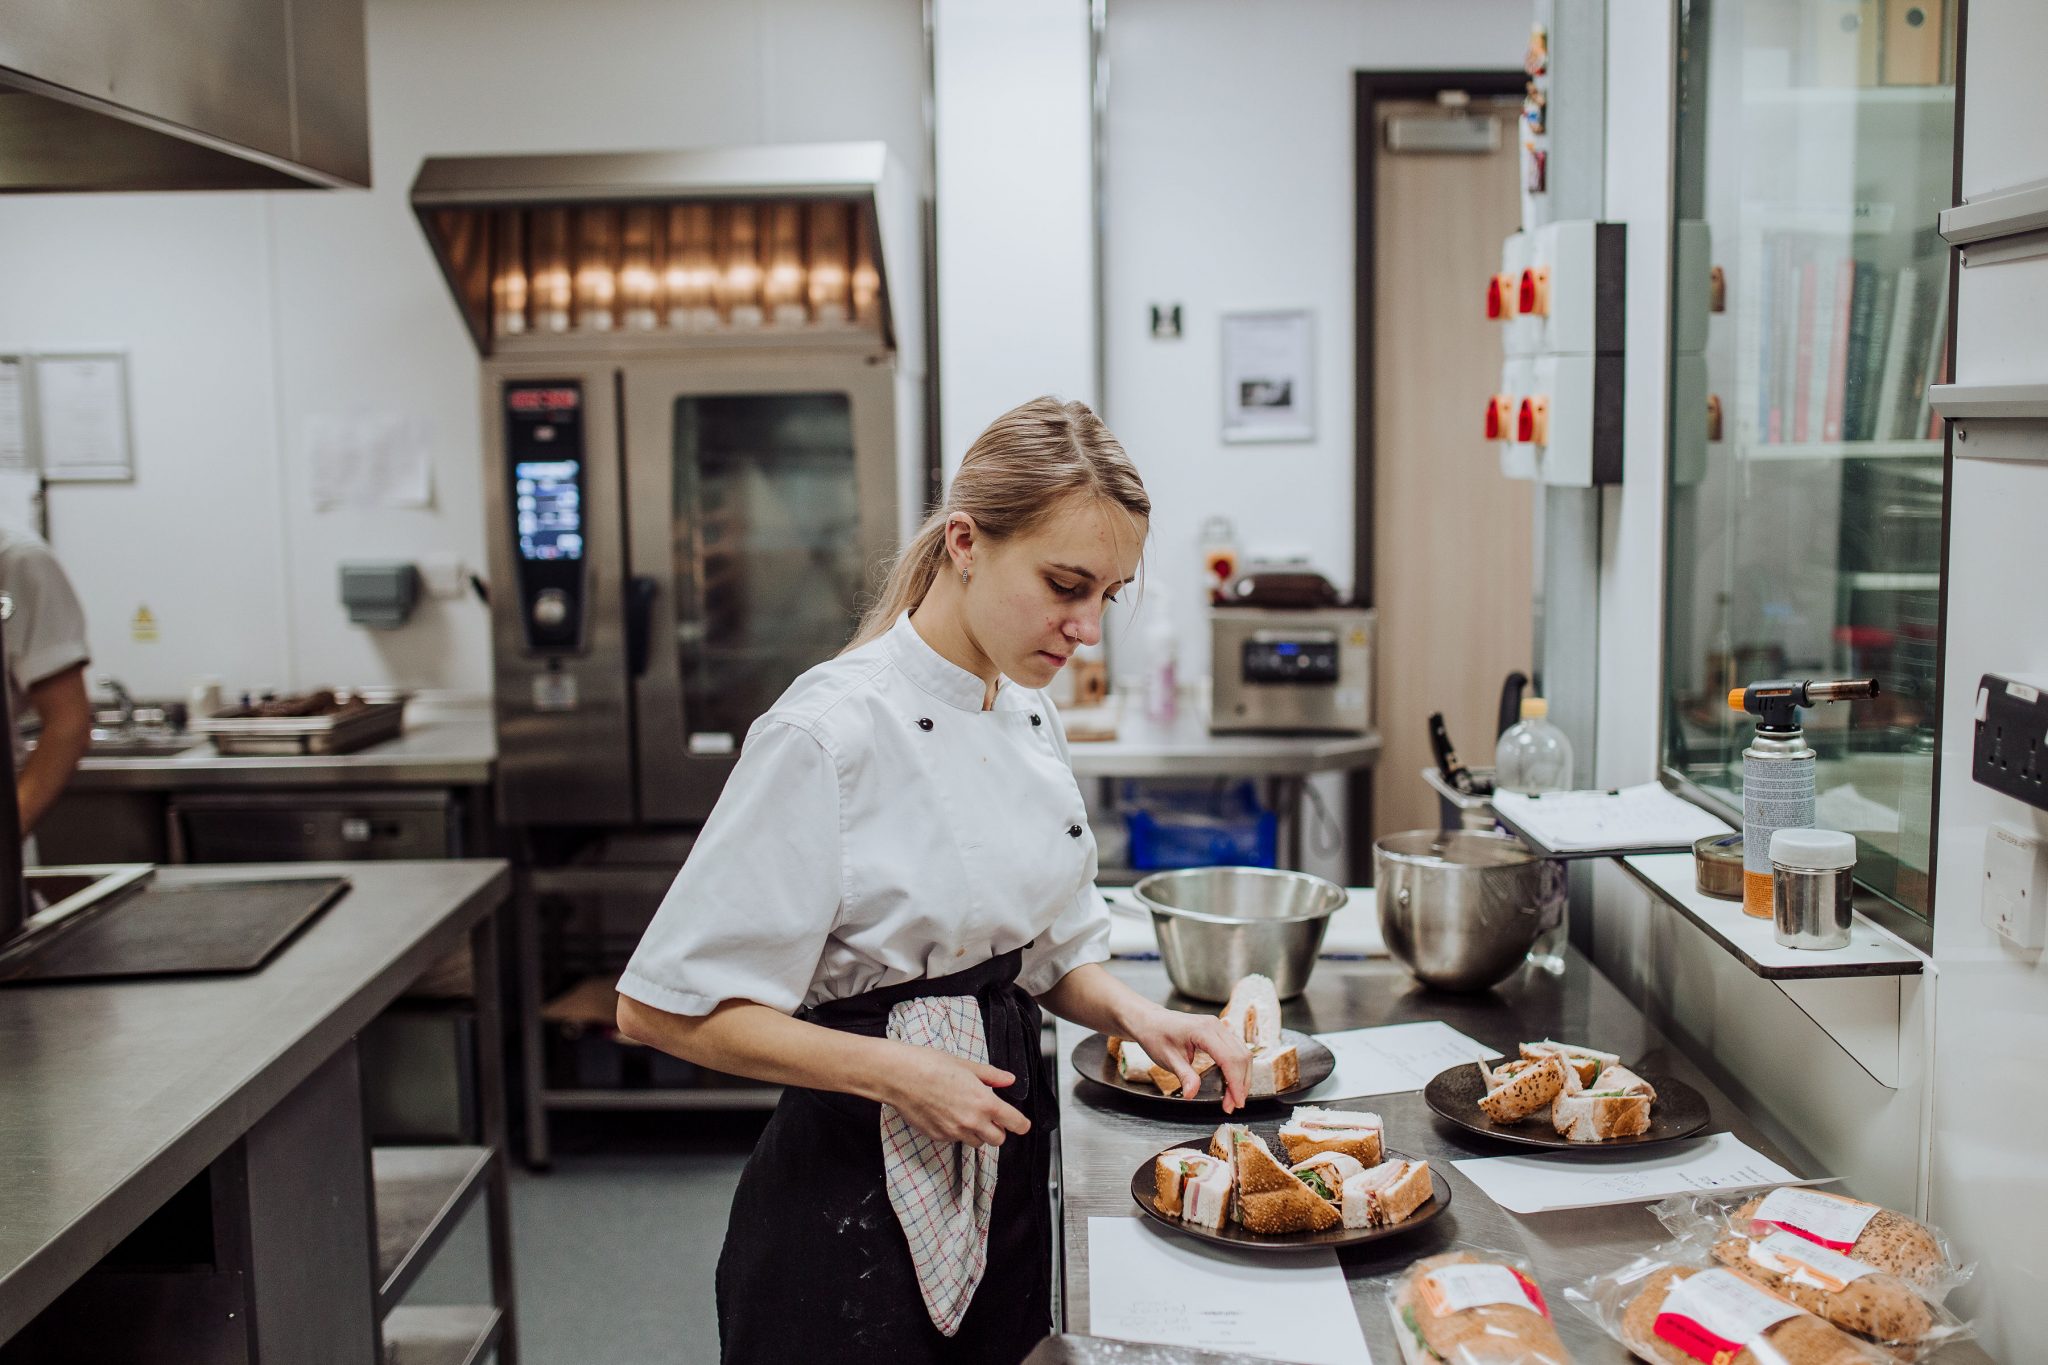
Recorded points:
(615, 1247)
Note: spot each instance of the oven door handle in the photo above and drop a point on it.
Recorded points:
(640, 594)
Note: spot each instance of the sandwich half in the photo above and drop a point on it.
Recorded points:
(1588, 1062)
(1253, 1013)
(1135, 1065)
(1386, 1194)
(1326, 1172)
(1273, 1199)
(1192, 1186)
(1598, 1115)
(1310, 1130)
(1516, 1090)
(1274, 1069)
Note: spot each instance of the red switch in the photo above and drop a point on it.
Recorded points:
(1532, 422)
(1535, 292)
(1500, 298)
(1499, 408)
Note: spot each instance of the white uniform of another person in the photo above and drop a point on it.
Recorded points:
(882, 838)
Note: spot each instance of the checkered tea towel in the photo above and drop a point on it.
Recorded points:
(942, 1191)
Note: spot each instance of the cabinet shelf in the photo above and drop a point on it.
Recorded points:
(1809, 97)
(460, 1334)
(422, 1193)
(1842, 450)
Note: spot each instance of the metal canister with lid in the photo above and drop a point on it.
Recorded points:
(1812, 888)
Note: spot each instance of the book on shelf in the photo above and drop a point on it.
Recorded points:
(1905, 302)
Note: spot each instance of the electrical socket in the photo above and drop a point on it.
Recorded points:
(2010, 751)
(2016, 885)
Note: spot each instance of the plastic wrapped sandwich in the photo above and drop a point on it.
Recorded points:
(1473, 1308)
(1672, 1313)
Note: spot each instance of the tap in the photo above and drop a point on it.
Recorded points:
(122, 701)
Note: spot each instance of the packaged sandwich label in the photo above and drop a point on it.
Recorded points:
(1828, 1219)
(1806, 1262)
(1458, 1288)
(1711, 1316)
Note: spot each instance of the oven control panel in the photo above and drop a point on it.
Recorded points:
(544, 459)
(1307, 656)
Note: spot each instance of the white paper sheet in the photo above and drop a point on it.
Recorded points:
(369, 460)
(14, 451)
(1380, 1061)
(82, 410)
(1543, 1184)
(1146, 1284)
(1633, 818)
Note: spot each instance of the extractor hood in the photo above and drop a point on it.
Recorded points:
(768, 246)
(198, 95)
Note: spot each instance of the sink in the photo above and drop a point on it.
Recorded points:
(139, 744)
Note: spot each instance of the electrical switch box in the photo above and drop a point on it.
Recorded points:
(2016, 885)
(2010, 750)
(1564, 352)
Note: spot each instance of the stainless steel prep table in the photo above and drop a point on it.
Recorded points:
(118, 1094)
(451, 751)
(1185, 748)
(1100, 1147)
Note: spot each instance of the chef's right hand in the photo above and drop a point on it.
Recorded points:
(952, 1099)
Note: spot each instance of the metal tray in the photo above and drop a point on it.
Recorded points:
(292, 736)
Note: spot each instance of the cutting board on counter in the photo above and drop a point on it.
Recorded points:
(194, 929)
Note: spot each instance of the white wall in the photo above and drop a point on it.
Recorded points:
(1014, 137)
(245, 314)
(1229, 185)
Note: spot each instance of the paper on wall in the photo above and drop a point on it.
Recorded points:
(14, 451)
(1544, 1184)
(1380, 1061)
(1146, 1284)
(369, 460)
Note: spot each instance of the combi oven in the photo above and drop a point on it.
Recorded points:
(703, 430)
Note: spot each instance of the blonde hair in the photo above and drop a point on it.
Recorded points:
(1017, 472)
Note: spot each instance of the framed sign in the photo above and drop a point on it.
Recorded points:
(1269, 376)
(81, 408)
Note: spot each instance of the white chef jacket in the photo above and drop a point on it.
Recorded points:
(881, 827)
(46, 632)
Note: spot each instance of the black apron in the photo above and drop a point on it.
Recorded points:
(815, 1265)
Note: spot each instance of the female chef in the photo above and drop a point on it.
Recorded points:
(898, 873)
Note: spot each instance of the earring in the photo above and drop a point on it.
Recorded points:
(963, 578)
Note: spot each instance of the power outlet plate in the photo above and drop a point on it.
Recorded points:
(2016, 885)
(2010, 752)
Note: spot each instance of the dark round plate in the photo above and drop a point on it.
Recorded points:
(1092, 1060)
(1144, 1186)
(1679, 1112)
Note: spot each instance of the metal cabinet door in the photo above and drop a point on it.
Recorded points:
(763, 494)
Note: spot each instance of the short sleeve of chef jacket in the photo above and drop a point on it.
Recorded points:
(748, 916)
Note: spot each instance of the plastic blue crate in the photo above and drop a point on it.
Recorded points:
(1220, 829)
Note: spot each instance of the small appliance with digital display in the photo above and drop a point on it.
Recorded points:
(544, 451)
(1281, 670)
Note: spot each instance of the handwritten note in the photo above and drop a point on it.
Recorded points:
(1543, 1184)
(1146, 1284)
(1379, 1061)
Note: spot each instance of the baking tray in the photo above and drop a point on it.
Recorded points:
(193, 929)
(339, 732)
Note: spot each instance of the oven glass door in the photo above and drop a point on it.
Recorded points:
(750, 563)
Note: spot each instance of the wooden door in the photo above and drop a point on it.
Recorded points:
(1452, 538)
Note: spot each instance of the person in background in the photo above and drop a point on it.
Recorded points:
(46, 661)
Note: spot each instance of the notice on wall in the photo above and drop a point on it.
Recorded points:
(1268, 376)
(381, 459)
(82, 412)
(14, 448)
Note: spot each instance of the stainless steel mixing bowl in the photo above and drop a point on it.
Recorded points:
(1459, 908)
(1217, 924)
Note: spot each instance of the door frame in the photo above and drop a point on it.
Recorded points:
(1369, 89)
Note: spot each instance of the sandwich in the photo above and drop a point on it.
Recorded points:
(1517, 1089)
(1326, 1172)
(1253, 1013)
(1352, 1132)
(1588, 1062)
(1618, 1079)
(1598, 1115)
(1274, 1069)
(1269, 1197)
(1857, 1298)
(1866, 1232)
(1192, 1186)
(1477, 1312)
(1135, 1065)
(1385, 1194)
(1796, 1337)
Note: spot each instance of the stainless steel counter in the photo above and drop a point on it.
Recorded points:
(1187, 749)
(114, 1095)
(458, 750)
(1101, 1146)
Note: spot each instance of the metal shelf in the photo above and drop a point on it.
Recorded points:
(1842, 450)
(459, 1334)
(422, 1193)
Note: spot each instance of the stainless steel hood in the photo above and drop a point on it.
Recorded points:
(198, 95)
(628, 251)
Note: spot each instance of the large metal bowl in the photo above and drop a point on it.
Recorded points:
(1460, 908)
(1217, 924)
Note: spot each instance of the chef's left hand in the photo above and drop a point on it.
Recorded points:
(1173, 1037)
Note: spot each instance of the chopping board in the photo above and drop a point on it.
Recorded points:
(195, 929)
